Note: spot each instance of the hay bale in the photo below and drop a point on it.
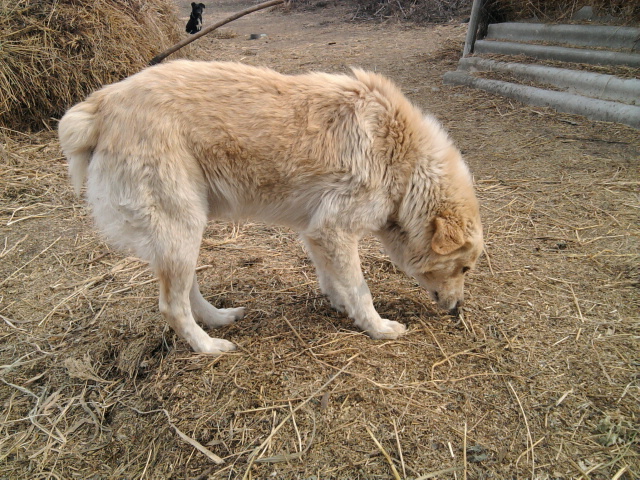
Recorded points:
(53, 53)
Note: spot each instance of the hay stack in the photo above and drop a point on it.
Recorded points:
(53, 53)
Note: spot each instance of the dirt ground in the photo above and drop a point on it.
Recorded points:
(538, 379)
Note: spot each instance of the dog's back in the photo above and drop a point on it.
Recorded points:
(266, 143)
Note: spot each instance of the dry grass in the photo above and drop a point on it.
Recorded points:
(538, 379)
(54, 53)
(501, 10)
(413, 10)
(563, 10)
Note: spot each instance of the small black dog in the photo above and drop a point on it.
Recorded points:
(194, 25)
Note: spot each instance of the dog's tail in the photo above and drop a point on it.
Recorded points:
(78, 134)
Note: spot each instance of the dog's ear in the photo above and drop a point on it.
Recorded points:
(193, 5)
(448, 233)
(202, 5)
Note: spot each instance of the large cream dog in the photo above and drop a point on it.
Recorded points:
(332, 156)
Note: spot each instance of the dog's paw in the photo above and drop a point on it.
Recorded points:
(229, 315)
(215, 346)
(386, 329)
(217, 317)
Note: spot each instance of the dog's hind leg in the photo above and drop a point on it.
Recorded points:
(174, 257)
(175, 276)
(335, 254)
(206, 313)
(158, 209)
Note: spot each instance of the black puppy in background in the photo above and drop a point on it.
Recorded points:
(194, 25)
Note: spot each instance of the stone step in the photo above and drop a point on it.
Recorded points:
(594, 85)
(592, 108)
(564, 54)
(610, 37)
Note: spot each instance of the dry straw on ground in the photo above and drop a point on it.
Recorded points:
(538, 379)
(53, 53)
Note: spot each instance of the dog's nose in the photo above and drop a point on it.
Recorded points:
(455, 311)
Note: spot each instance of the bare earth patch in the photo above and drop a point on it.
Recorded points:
(539, 379)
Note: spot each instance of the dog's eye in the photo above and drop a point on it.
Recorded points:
(465, 269)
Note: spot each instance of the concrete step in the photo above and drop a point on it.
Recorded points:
(594, 85)
(564, 54)
(610, 37)
(594, 109)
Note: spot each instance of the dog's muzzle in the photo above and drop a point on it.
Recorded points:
(455, 311)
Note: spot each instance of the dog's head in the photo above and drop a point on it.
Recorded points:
(435, 236)
(197, 9)
(450, 248)
(456, 245)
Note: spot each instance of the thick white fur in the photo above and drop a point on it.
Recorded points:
(332, 156)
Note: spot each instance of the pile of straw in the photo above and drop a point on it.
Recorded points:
(503, 10)
(52, 53)
(414, 10)
(563, 10)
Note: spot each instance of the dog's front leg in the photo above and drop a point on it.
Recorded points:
(335, 255)
(324, 270)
